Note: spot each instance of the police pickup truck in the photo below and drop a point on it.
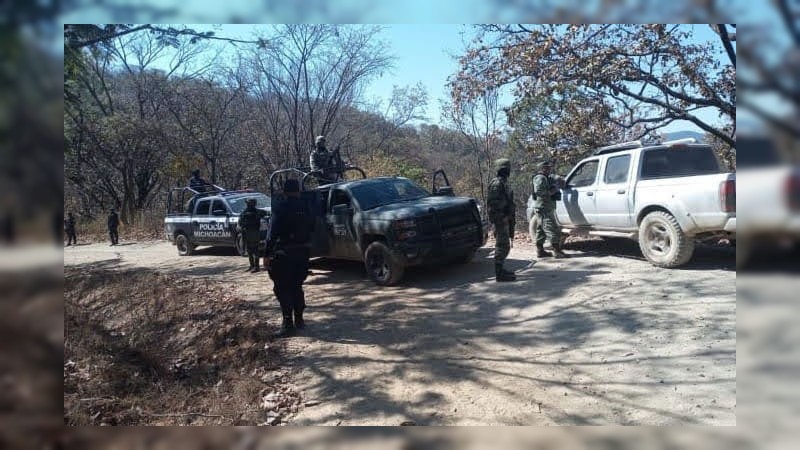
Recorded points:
(666, 196)
(210, 218)
(390, 223)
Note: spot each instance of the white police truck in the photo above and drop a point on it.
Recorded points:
(210, 218)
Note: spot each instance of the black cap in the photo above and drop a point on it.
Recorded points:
(291, 185)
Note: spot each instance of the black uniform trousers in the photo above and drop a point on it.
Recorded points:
(72, 237)
(252, 239)
(113, 234)
(288, 271)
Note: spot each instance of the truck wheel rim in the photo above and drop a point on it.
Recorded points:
(659, 239)
(379, 267)
(181, 245)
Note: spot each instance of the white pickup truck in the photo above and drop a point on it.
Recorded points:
(769, 198)
(666, 196)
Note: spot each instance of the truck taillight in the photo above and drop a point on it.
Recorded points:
(793, 191)
(727, 196)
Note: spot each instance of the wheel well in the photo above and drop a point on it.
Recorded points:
(179, 232)
(648, 210)
(369, 239)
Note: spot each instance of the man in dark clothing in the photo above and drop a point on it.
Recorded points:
(113, 225)
(287, 253)
(250, 224)
(197, 183)
(69, 229)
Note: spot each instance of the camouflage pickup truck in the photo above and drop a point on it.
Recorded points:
(391, 223)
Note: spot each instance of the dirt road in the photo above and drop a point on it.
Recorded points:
(594, 339)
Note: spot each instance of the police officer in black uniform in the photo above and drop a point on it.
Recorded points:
(287, 252)
(250, 224)
(197, 183)
(113, 227)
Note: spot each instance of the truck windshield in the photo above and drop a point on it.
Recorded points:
(238, 204)
(383, 192)
(679, 162)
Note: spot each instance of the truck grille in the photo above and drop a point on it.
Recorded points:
(454, 226)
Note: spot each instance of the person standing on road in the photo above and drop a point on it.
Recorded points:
(287, 253)
(250, 224)
(69, 229)
(113, 226)
(545, 191)
(502, 214)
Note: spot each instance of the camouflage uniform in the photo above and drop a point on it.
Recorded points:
(321, 159)
(545, 224)
(502, 210)
(250, 224)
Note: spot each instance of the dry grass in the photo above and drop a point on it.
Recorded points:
(148, 226)
(148, 349)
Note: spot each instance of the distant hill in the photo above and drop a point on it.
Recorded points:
(700, 137)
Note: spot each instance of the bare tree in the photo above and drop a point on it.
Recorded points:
(306, 75)
(480, 122)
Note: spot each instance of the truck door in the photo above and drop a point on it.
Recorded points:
(440, 185)
(219, 223)
(200, 221)
(344, 243)
(613, 198)
(578, 195)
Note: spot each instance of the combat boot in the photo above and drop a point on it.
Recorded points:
(287, 327)
(299, 323)
(558, 253)
(541, 252)
(501, 274)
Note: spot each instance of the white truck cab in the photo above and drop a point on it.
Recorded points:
(666, 196)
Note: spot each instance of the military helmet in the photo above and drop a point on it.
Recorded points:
(196, 172)
(502, 163)
(320, 140)
(251, 201)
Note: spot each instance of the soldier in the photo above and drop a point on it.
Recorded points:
(250, 224)
(502, 215)
(287, 253)
(196, 182)
(113, 225)
(545, 189)
(69, 229)
(322, 159)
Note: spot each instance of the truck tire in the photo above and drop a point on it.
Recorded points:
(663, 242)
(383, 266)
(185, 248)
(241, 249)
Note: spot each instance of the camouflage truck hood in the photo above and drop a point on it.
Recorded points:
(415, 208)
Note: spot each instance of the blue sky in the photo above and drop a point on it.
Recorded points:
(424, 53)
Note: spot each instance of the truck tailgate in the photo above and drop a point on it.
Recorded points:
(696, 201)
